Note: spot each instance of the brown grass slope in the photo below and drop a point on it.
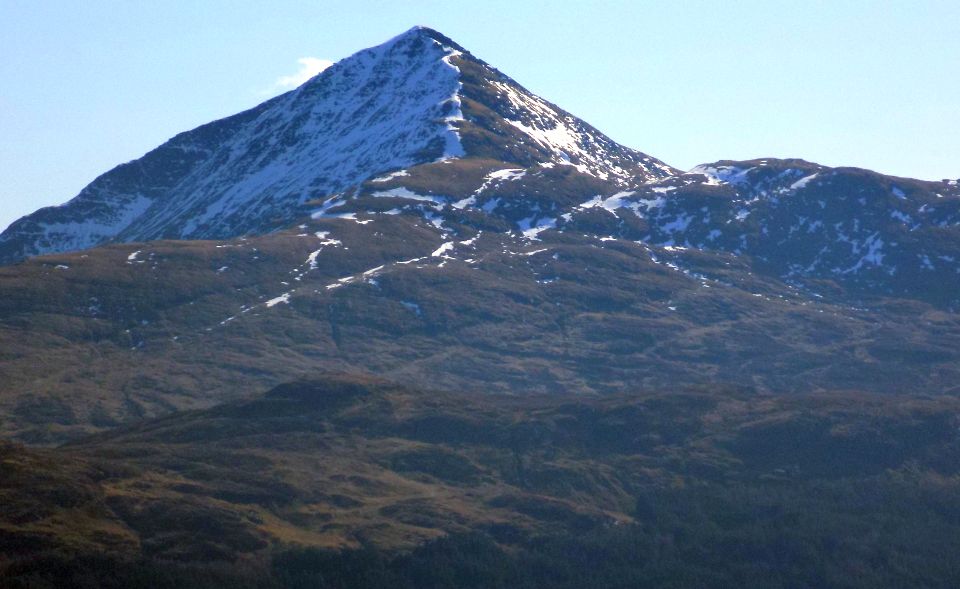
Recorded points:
(93, 339)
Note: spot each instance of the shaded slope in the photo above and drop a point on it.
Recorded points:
(344, 461)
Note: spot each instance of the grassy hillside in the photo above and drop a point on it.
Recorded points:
(95, 339)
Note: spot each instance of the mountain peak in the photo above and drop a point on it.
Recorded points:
(418, 42)
(416, 99)
(421, 31)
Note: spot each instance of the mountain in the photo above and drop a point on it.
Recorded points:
(805, 222)
(498, 350)
(416, 99)
(528, 262)
(333, 477)
(420, 119)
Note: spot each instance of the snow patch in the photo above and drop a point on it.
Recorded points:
(446, 247)
(391, 176)
(284, 299)
(408, 194)
(901, 216)
(531, 228)
(802, 182)
(718, 175)
(509, 174)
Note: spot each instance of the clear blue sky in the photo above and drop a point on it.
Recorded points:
(87, 85)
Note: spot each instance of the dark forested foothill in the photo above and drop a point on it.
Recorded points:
(350, 481)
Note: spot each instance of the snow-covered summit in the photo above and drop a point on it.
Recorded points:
(418, 98)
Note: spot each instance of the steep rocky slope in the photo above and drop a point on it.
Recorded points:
(416, 99)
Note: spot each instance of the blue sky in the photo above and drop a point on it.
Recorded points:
(87, 85)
